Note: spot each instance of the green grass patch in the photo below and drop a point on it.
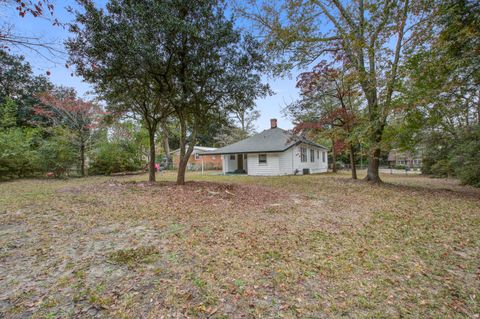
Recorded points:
(134, 256)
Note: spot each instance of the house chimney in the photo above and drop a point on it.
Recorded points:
(273, 123)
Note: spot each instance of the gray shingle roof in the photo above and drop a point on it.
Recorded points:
(268, 141)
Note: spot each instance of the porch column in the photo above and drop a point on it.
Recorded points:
(224, 164)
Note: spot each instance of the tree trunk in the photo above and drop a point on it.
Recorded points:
(182, 168)
(151, 163)
(184, 153)
(166, 144)
(182, 165)
(334, 158)
(375, 138)
(352, 162)
(183, 161)
(373, 167)
(82, 159)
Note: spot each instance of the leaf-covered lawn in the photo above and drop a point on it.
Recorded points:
(315, 246)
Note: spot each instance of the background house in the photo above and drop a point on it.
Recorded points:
(210, 162)
(273, 152)
(408, 159)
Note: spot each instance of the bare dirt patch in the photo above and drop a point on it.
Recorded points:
(193, 194)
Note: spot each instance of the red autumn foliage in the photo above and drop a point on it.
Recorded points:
(39, 8)
(35, 8)
(328, 81)
(80, 116)
(332, 87)
(69, 110)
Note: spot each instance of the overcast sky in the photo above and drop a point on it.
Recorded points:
(269, 107)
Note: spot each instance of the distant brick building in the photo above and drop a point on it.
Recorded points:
(210, 162)
(408, 159)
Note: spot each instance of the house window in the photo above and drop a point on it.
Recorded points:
(323, 157)
(303, 154)
(318, 154)
(262, 158)
(401, 162)
(312, 155)
(417, 162)
(197, 156)
(232, 157)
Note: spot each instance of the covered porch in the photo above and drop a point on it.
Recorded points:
(235, 163)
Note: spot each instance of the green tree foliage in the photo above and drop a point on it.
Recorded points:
(464, 159)
(161, 59)
(440, 93)
(62, 107)
(121, 52)
(330, 105)
(445, 156)
(114, 157)
(370, 35)
(18, 83)
(120, 150)
(18, 157)
(57, 154)
(8, 114)
(436, 155)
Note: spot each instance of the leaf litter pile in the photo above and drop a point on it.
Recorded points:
(239, 247)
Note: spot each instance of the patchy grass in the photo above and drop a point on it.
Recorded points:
(133, 256)
(236, 246)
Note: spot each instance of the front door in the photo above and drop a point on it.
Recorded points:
(240, 161)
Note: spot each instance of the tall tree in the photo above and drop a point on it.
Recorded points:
(329, 103)
(240, 125)
(442, 78)
(439, 101)
(215, 68)
(122, 52)
(63, 108)
(370, 35)
(246, 119)
(167, 58)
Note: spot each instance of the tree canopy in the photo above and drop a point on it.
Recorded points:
(162, 59)
(370, 36)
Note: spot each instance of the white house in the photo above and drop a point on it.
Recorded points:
(273, 152)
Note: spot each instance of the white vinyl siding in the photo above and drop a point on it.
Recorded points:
(285, 162)
(271, 168)
(314, 167)
(281, 163)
